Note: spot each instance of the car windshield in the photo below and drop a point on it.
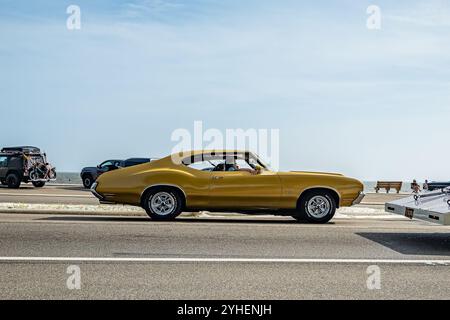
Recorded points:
(260, 162)
(106, 164)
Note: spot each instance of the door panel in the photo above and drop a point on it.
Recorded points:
(242, 190)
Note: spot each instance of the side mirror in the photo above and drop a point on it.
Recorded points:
(98, 166)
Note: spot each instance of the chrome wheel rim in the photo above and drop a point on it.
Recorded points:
(163, 203)
(318, 207)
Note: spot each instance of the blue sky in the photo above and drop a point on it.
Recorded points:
(371, 104)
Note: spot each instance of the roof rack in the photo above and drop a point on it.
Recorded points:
(26, 150)
(21, 150)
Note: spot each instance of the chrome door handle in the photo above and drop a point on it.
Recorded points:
(217, 178)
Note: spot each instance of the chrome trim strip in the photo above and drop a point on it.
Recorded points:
(95, 193)
(359, 198)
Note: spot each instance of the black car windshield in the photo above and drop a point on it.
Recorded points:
(110, 163)
(106, 164)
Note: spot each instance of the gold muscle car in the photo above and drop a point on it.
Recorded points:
(232, 181)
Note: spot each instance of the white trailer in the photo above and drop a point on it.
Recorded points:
(429, 206)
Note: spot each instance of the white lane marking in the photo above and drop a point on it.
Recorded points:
(229, 260)
(46, 195)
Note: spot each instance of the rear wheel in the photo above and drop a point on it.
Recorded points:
(163, 204)
(33, 174)
(316, 207)
(38, 184)
(87, 181)
(13, 180)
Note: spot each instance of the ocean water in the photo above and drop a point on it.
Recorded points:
(74, 178)
(369, 186)
(68, 178)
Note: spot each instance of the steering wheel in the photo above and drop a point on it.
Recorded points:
(219, 167)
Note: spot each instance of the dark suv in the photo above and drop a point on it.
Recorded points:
(438, 185)
(90, 174)
(14, 167)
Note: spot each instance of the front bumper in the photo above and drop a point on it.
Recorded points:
(100, 197)
(359, 198)
(95, 193)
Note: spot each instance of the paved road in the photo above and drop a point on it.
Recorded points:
(230, 258)
(59, 194)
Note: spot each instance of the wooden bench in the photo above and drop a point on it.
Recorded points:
(388, 185)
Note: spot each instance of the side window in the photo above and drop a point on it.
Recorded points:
(202, 165)
(222, 162)
(15, 162)
(3, 162)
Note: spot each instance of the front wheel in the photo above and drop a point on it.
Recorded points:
(87, 181)
(163, 204)
(316, 207)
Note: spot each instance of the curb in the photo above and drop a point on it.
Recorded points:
(131, 212)
(106, 210)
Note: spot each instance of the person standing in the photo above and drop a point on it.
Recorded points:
(415, 186)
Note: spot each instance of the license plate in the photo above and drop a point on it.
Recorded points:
(409, 213)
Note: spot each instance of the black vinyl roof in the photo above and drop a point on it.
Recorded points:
(138, 159)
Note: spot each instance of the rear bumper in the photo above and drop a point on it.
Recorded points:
(359, 198)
